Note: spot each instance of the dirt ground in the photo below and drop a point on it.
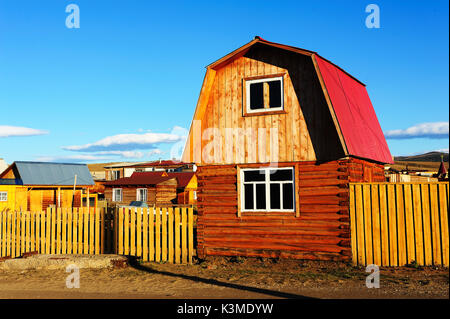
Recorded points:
(234, 278)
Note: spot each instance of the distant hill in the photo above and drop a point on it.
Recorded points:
(424, 162)
(427, 157)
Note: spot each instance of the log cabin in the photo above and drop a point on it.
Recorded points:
(34, 186)
(278, 134)
(154, 188)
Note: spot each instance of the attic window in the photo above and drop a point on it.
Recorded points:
(264, 94)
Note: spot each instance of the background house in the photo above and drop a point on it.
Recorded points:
(154, 188)
(35, 186)
(302, 130)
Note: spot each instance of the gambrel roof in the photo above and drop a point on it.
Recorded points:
(349, 104)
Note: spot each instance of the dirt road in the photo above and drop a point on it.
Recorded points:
(228, 278)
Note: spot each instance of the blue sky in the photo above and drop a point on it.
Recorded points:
(125, 84)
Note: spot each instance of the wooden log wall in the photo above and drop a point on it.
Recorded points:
(319, 230)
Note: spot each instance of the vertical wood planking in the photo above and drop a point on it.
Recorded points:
(392, 225)
(191, 233)
(177, 235)
(158, 234)
(133, 232)
(368, 224)
(376, 225)
(409, 225)
(435, 224)
(70, 215)
(151, 234)
(53, 234)
(401, 225)
(90, 211)
(145, 234)
(428, 250)
(80, 229)
(384, 225)
(127, 231)
(360, 225)
(97, 230)
(139, 232)
(120, 230)
(184, 228)
(417, 235)
(443, 213)
(171, 235)
(64, 231)
(164, 234)
(75, 231)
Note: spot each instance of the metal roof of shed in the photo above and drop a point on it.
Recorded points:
(60, 174)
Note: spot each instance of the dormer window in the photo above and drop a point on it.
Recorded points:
(264, 94)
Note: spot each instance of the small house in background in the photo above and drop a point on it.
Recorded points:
(153, 188)
(34, 186)
(120, 170)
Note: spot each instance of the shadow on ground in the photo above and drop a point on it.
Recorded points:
(133, 262)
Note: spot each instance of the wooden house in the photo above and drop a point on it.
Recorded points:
(35, 186)
(277, 135)
(120, 170)
(154, 188)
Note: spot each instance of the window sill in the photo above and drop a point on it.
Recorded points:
(246, 114)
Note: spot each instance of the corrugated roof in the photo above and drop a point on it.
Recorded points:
(61, 174)
(152, 178)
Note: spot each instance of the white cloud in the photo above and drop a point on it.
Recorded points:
(126, 142)
(435, 130)
(9, 131)
(72, 158)
(125, 154)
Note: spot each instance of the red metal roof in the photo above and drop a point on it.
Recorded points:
(355, 114)
(152, 178)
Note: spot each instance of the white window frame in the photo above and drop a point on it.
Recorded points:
(268, 79)
(267, 182)
(138, 196)
(114, 197)
(114, 173)
(3, 196)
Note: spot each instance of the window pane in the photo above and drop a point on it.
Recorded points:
(248, 196)
(260, 196)
(275, 93)
(281, 175)
(288, 196)
(256, 96)
(254, 176)
(275, 196)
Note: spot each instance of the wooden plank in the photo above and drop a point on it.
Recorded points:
(184, 228)
(418, 222)
(353, 225)
(81, 227)
(145, 234)
(91, 230)
(22, 231)
(401, 225)
(86, 230)
(105, 234)
(426, 217)
(384, 225)
(97, 213)
(151, 227)
(157, 234)
(360, 225)
(120, 230)
(435, 225)
(15, 233)
(32, 231)
(410, 232)
(38, 232)
(164, 234)
(191, 233)
(6, 234)
(368, 224)
(443, 213)
(75, 231)
(48, 231)
(139, 232)
(171, 235)
(70, 214)
(392, 211)
(53, 238)
(376, 225)
(133, 232)
(127, 231)
(64, 230)
(177, 235)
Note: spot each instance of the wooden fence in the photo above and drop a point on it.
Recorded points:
(394, 224)
(56, 231)
(156, 234)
